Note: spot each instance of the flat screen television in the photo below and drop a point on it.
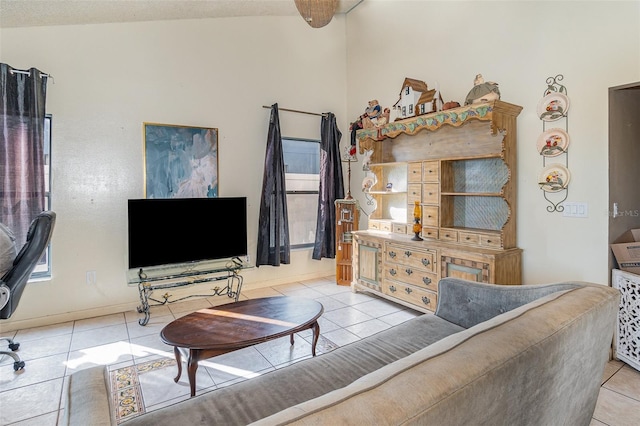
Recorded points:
(181, 230)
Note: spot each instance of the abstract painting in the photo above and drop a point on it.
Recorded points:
(180, 161)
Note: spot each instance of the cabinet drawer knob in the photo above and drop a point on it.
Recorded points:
(392, 254)
(426, 300)
(407, 253)
(392, 289)
(408, 290)
(426, 262)
(392, 272)
(408, 271)
(426, 280)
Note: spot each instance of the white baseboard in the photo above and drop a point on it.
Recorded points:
(6, 325)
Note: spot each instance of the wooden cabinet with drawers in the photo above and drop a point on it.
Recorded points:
(410, 274)
(460, 166)
(405, 271)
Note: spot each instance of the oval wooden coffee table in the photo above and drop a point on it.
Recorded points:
(225, 328)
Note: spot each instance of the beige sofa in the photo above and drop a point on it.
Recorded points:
(491, 355)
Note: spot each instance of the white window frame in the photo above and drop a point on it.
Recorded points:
(307, 185)
(43, 269)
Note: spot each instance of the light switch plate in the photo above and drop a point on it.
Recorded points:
(575, 210)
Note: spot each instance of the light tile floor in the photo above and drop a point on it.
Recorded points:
(33, 396)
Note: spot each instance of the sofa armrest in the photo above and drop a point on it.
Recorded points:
(88, 398)
(467, 303)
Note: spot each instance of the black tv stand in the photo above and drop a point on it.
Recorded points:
(174, 277)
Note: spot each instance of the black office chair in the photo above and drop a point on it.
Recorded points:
(13, 282)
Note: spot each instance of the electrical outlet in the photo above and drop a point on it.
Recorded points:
(91, 277)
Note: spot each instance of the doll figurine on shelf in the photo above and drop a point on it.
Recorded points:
(482, 92)
(372, 114)
(384, 117)
(373, 110)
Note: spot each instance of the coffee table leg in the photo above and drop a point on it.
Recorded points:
(192, 367)
(176, 351)
(316, 335)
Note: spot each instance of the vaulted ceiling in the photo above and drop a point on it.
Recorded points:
(29, 13)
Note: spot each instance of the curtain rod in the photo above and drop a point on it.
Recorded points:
(298, 111)
(27, 73)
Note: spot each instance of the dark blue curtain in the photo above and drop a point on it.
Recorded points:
(331, 188)
(22, 108)
(273, 224)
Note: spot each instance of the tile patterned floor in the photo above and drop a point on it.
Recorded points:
(34, 395)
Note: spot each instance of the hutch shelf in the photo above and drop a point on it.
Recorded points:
(460, 166)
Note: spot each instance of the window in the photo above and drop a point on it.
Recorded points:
(302, 179)
(407, 90)
(410, 108)
(43, 268)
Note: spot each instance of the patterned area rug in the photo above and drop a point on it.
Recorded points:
(127, 393)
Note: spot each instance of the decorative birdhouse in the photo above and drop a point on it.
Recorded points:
(417, 99)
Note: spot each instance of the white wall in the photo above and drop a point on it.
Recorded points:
(595, 45)
(110, 78)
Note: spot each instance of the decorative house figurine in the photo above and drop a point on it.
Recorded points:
(416, 99)
(482, 92)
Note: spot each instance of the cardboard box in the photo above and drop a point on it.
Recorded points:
(626, 250)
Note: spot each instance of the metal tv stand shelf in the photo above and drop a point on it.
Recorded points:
(175, 276)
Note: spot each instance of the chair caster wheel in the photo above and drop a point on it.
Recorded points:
(18, 365)
(14, 346)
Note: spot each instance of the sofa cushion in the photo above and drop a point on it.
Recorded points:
(253, 399)
(468, 306)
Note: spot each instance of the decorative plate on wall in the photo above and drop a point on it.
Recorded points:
(553, 106)
(553, 142)
(554, 178)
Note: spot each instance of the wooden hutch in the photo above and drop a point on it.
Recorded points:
(460, 165)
